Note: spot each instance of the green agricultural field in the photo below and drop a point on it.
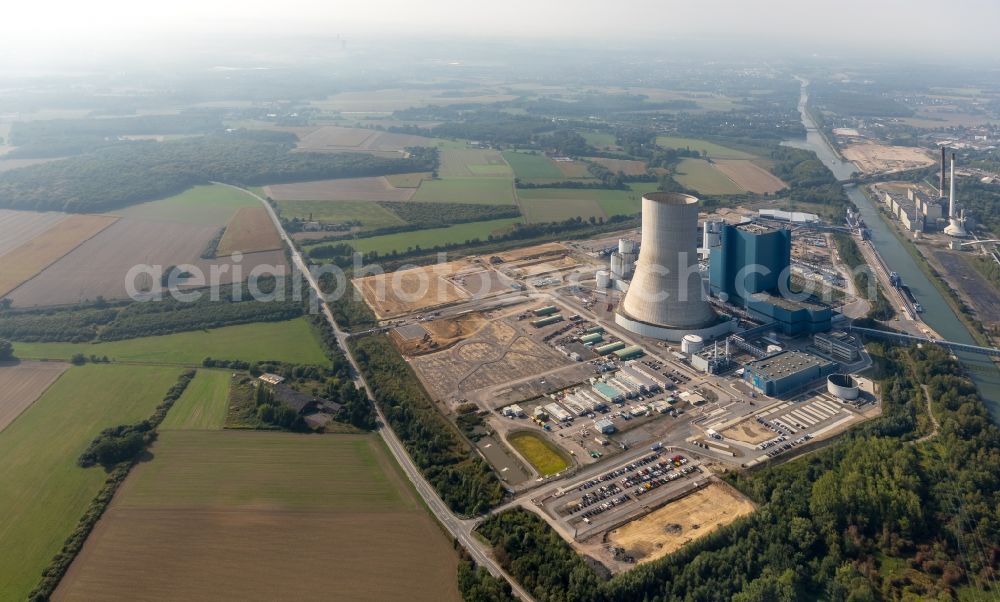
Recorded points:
(43, 492)
(700, 175)
(483, 191)
(528, 166)
(563, 203)
(371, 215)
(538, 452)
(236, 501)
(432, 237)
(292, 341)
(715, 151)
(599, 140)
(212, 205)
(538, 211)
(204, 403)
(458, 161)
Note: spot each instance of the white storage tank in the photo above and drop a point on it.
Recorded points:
(627, 247)
(603, 279)
(692, 343)
(843, 386)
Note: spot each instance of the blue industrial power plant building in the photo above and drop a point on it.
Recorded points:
(787, 371)
(751, 268)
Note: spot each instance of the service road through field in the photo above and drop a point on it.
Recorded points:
(265, 516)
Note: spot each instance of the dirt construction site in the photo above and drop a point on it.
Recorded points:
(879, 158)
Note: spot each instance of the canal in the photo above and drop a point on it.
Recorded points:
(937, 313)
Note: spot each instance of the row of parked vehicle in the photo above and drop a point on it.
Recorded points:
(619, 472)
(589, 499)
(655, 482)
(651, 472)
(787, 446)
(608, 505)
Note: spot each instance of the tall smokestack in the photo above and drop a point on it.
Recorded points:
(951, 196)
(941, 187)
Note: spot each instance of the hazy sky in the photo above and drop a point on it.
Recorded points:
(895, 25)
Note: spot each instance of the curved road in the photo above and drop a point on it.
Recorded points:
(460, 529)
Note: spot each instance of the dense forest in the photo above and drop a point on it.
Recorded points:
(892, 511)
(134, 172)
(808, 179)
(463, 480)
(63, 137)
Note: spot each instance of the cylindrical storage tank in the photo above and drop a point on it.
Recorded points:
(603, 279)
(626, 246)
(843, 386)
(692, 343)
(617, 266)
(628, 265)
(667, 288)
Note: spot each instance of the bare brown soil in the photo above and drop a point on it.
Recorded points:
(250, 231)
(21, 384)
(442, 334)
(873, 158)
(406, 291)
(679, 522)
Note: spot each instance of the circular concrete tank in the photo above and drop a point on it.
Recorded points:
(692, 343)
(843, 386)
(603, 279)
(667, 289)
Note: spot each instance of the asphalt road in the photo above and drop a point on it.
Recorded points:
(459, 528)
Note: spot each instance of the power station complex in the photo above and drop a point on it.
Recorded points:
(749, 271)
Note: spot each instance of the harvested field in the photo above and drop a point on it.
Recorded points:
(408, 180)
(872, 158)
(265, 516)
(438, 335)
(346, 189)
(748, 431)
(341, 139)
(21, 384)
(750, 176)
(250, 231)
(496, 351)
(18, 227)
(574, 170)
(679, 522)
(415, 289)
(22, 263)
(627, 166)
(99, 266)
(704, 177)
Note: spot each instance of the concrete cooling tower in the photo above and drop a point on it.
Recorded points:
(665, 299)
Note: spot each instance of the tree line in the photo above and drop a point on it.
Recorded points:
(463, 480)
(134, 172)
(875, 516)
